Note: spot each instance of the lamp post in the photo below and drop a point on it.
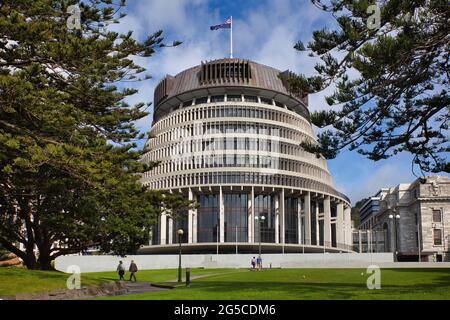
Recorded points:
(180, 232)
(394, 217)
(261, 221)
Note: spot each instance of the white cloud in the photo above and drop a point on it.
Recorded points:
(358, 177)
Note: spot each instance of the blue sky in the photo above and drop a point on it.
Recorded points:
(264, 31)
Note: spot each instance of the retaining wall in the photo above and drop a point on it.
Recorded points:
(307, 260)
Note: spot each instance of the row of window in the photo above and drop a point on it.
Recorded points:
(229, 98)
(191, 131)
(251, 178)
(208, 112)
(221, 144)
(238, 160)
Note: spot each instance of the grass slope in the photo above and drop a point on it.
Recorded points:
(21, 280)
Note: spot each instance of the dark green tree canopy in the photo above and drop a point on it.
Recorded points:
(69, 171)
(399, 99)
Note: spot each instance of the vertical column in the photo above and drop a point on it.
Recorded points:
(299, 220)
(170, 240)
(163, 227)
(194, 226)
(282, 219)
(327, 221)
(221, 217)
(191, 219)
(359, 241)
(316, 221)
(340, 224)
(277, 218)
(348, 226)
(308, 218)
(251, 215)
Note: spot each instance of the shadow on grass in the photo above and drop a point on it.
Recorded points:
(319, 290)
(400, 284)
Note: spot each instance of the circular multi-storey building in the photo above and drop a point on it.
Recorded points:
(227, 134)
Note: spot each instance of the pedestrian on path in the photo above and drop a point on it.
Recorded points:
(133, 269)
(259, 263)
(253, 263)
(121, 270)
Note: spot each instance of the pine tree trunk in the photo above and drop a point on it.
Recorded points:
(30, 261)
(45, 263)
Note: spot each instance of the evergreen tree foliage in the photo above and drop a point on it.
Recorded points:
(69, 169)
(391, 79)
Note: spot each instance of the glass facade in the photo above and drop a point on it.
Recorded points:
(333, 235)
(265, 206)
(234, 97)
(291, 220)
(236, 217)
(313, 223)
(237, 208)
(333, 211)
(181, 223)
(321, 235)
(208, 218)
(217, 99)
(155, 231)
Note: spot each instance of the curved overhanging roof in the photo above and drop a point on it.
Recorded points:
(230, 76)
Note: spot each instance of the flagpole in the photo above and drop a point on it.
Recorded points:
(231, 38)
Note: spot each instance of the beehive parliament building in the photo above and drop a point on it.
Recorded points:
(227, 134)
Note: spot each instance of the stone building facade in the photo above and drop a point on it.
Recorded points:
(416, 218)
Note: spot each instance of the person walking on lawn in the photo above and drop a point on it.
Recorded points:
(133, 269)
(259, 263)
(121, 270)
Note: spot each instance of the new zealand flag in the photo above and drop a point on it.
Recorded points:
(225, 25)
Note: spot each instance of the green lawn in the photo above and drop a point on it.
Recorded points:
(312, 284)
(21, 280)
(154, 276)
(243, 284)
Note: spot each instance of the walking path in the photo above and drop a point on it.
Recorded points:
(142, 287)
(205, 275)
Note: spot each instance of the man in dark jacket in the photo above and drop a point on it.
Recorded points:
(121, 270)
(133, 269)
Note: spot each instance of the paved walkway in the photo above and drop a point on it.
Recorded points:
(203, 276)
(141, 287)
